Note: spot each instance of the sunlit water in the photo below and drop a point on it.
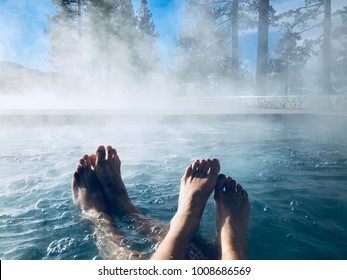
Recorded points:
(295, 173)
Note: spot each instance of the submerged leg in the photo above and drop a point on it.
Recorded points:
(196, 186)
(107, 168)
(232, 210)
(89, 196)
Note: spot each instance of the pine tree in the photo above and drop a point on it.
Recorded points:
(145, 24)
(307, 18)
(326, 71)
(146, 57)
(236, 16)
(263, 46)
(64, 35)
(92, 37)
(339, 65)
(227, 13)
(288, 62)
(202, 51)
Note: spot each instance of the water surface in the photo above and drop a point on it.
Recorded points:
(293, 167)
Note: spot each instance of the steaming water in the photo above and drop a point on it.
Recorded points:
(295, 175)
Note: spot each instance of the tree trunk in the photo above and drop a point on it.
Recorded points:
(326, 78)
(262, 49)
(235, 36)
(79, 15)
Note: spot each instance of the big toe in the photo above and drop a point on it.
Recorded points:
(100, 154)
(219, 186)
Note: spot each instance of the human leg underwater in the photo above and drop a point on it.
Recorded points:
(99, 189)
(103, 169)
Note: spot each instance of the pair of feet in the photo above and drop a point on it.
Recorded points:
(99, 189)
(97, 185)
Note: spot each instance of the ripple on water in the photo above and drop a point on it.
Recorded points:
(57, 247)
(43, 203)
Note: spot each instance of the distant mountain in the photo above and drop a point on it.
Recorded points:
(16, 78)
(12, 69)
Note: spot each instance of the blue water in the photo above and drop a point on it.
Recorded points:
(294, 168)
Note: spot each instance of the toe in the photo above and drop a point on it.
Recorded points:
(207, 166)
(92, 158)
(100, 154)
(113, 153)
(76, 182)
(83, 163)
(245, 194)
(76, 177)
(239, 188)
(116, 157)
(201, 167)
(195, 165)
(215, 167)
(229, 185)
(79, 169)
(109, 152)
(233, 185)
(188, 171)
(219, 186)
(87, 160)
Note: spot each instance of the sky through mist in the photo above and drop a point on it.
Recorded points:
(23, 40)
(23, 23)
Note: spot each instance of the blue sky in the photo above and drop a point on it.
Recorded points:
(22, 37)
(22, 25)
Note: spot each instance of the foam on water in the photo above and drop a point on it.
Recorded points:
(295, 176)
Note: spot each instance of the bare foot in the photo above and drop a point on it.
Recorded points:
(107, 168)
(232, 209)
(86, 189)
(196, 186)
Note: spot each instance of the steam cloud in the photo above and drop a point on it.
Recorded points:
(100, 60)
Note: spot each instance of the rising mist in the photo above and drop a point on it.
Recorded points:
(105, 55)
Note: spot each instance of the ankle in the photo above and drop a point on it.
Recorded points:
(232, 252)
(183, 227)
(232, 255)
